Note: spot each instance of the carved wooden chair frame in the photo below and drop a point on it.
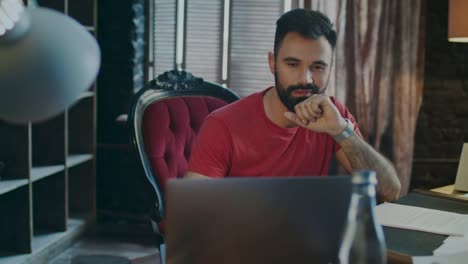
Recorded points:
(170, 84)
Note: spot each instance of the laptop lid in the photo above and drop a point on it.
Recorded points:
(256, 220)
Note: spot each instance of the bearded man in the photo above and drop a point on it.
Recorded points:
(293, 128)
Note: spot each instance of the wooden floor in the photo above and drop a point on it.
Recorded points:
(135, 243)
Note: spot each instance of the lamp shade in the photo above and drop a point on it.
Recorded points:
(45, 69)
(458, 21)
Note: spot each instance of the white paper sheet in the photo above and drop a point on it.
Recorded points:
(458, 258)
(453, 245)
(422, 219)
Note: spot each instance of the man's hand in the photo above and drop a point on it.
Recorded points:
(194, 175)
(318, 113)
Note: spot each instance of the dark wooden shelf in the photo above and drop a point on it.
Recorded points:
(10, 185)
(89, 28)
(41, 172)
(13, 258)
(44, 242)
(77, 218)
(86, 95)
(44, 239)
(77, 159)
(82, 11)
(47, 193)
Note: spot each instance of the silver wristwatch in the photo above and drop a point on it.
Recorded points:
(347, 132)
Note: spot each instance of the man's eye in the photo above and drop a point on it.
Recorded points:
(318, 68)
(292, 64)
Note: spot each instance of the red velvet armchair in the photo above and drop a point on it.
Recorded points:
(164, 119)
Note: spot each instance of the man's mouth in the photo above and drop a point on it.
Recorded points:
(301, 93)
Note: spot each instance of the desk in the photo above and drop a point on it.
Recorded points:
(402, 244)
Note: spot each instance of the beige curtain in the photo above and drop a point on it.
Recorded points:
(378, 71)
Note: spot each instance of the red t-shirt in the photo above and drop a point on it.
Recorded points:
(240, 140)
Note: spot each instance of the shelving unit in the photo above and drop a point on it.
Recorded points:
(10, 185)
(47, 192)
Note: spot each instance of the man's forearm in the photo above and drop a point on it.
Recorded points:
(362, 156)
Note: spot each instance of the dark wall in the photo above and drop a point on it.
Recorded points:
(122, 189)
(443, 121)
(116, 78)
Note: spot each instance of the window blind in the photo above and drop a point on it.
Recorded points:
(203, 36)
(252, 31)
(164, 35)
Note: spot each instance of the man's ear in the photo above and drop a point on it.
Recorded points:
(271, 62)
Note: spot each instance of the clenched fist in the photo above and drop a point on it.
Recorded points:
(319, 114)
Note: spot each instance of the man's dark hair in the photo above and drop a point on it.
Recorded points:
(308, 23)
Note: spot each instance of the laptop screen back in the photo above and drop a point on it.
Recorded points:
(256, 220)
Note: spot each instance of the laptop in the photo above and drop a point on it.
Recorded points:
(461, 180)
(256, 220)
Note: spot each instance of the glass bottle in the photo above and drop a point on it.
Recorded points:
(363, 240)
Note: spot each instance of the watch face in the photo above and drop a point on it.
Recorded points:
(350, 124)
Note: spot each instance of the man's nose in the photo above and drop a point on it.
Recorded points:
(306, 77)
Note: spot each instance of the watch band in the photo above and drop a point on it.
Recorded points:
(347, 132)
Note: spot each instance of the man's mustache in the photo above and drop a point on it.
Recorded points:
(309, 87)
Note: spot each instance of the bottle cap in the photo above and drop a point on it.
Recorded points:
(364, 177)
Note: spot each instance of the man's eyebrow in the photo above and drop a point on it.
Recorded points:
(292, 59)
(321, 62)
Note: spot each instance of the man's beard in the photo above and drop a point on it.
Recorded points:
(286, 97)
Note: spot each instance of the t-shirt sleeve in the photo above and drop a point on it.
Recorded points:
(345, 113)
(212, 149)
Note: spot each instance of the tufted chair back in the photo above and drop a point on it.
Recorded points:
(164, 119)
(169, 127)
